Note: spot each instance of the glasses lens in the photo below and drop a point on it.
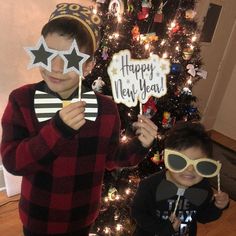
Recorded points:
(176, 162)
(206, 168)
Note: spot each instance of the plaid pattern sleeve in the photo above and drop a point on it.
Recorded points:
(24, 150)
(62, 174)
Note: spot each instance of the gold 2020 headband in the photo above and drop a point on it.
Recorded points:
(84, 16)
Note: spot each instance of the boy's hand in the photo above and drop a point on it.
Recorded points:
(175, 221)
(73, 114)
(221, 199)
(146, 130)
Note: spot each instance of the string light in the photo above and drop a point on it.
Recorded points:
(163, 42)
(194, 38)
(119, 18)
(128, 191)
(107, 230)
(147, 46)
(95, 10)
(165, 55)
(124, 139)
(189, 81)
(116, 35)
(119, 227)
(172, 25)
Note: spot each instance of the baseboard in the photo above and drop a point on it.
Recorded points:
(2, 182)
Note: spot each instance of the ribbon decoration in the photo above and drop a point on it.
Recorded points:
(195, 71)
(167, 189)
(46, 105)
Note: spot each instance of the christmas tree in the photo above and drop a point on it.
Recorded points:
(167, 28)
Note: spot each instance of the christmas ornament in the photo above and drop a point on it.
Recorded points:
(130, 6)
(116, 7)
(112, 193)
(146, 5)
(175, 68)
(149, 108)
(135, 33)
(98, 84)
(187, 91)
(156, 158)
(105, 53)
(158, 17)
(192, 110)
(148, 38)
(187, 53)
(190, 14)
(166, 120)
(193, 71)
(175, 29)
(202, 73)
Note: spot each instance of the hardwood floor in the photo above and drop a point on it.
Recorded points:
(10, 224)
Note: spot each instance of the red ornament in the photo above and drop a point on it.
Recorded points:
(146, 5)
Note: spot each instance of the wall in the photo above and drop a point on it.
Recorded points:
(21, 23)
(226, 116)
(219, 59)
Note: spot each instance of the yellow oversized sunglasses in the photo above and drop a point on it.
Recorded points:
(178, 162)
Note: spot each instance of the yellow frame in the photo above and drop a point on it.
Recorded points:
(167, 152)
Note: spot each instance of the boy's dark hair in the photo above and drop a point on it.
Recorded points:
(185, 135)
(71, 28)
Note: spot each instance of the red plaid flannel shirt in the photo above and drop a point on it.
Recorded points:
(62, 169)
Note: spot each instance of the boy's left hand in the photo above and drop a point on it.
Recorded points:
(221, 199)
(146, 130)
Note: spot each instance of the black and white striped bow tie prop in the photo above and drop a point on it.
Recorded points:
(46, 105)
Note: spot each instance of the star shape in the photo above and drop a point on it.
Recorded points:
(40, 55)
(74, 59)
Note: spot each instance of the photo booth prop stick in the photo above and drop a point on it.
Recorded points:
(134, 80)
(218, 183)
(42, 56)
(46, 105)
(180, 192)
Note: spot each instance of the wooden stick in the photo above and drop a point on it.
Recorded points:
(176, 204)
(140, 108)
(218, 183)
(80, 88)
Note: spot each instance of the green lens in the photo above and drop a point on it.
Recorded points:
(206, 168)
(176, 162)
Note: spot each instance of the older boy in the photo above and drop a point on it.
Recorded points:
(62, 159)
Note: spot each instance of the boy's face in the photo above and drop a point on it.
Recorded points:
(62, 83)
(188, 177)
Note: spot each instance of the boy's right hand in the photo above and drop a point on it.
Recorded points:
(73, 114)
(175, 221)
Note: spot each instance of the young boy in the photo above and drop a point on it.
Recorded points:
(63, 159)
(173, 201)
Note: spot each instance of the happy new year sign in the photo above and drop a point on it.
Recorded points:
(136, 80)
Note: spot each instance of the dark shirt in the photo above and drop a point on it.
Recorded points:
(152, 215)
